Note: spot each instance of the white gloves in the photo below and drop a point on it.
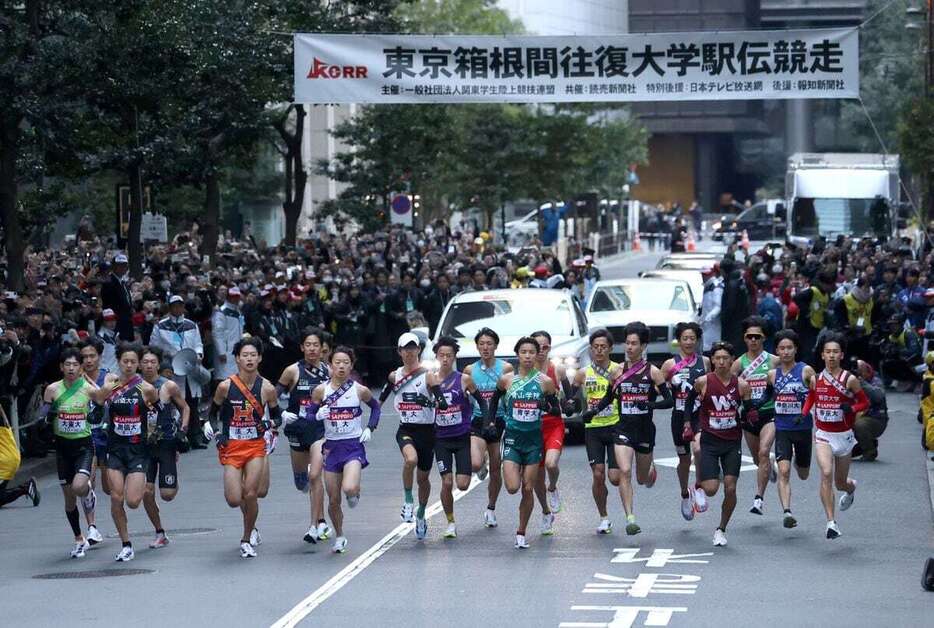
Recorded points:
(676, 380)
(288, 417)
(366, 435)
(208, 431)
(271, 440)
(324, 412)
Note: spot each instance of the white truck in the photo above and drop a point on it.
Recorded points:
(829, 194)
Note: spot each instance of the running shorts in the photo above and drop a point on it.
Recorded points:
(764, 419)
(422, 438)
(599, 443)
(841, 443)
(794, 443)
(490, 436)
(236, 453)
(553, 433)
(453, 453)
(337, 453)
(128, 457)
(523, 447)
(73, 457)
(638, 434)
(719, 455)
(99, 438)
(303, 434)
(163, 464)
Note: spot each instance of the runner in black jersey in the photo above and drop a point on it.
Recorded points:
(296, 384)
(128, 398)
(168, 429)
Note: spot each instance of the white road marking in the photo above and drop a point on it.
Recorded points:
(351, 571)
(673, 463)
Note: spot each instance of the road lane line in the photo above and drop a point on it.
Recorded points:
(351, 571)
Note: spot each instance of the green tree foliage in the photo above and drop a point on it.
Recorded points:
(916, 143)
(457, 16)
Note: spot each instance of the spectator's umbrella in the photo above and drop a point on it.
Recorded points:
(185, 363)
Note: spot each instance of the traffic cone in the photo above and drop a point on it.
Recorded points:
(636, 243)
(691, 245)
(745, 241)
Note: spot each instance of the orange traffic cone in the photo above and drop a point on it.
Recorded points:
(745, 241)
(691, 245)
(636, 243)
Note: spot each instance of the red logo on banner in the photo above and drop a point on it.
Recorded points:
(320, 69)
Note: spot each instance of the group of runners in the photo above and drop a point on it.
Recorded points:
(495, 420)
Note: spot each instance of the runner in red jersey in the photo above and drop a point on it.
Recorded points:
(552, 438)
(834, 401)
(723, 398)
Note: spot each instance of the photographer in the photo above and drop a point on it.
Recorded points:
(870, 424)
(901, 352)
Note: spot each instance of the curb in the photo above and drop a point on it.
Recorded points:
(36, 467)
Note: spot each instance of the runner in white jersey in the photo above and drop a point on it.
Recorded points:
(339, 404)
(411, 384)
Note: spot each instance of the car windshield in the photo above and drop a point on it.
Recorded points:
(831, 216)
(509, 316)
(663, 295)
(688, 264)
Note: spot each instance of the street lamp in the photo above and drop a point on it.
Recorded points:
(922, 17)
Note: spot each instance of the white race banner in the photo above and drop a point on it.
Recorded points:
(732, 65)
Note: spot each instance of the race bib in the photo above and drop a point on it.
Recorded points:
(127, 426)
(627, 404)
(828, 415)
(722, 422)
(788, 405)
(679, 403)
(758, 387)
(451, 416)
(71, 423)
(243, 433)
(526, 411)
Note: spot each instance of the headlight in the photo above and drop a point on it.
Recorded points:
(568, 362)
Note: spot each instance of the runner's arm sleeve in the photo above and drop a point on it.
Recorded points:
(690, 413)
(96, 415)
(481, 403)
(45, 412)
(384, 394)
(440, 402)
(310, 412)
(275, 413)
(282, 392)
(549, 404)
(664, 391)
(374, 414)
(861, 402)
(494, 404)
(808, 404)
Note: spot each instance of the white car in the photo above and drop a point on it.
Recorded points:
(659, 303)
(694, 278)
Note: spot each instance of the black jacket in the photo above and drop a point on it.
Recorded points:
(116, 296)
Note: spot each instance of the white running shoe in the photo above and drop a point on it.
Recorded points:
(605, 526)
(80, 548)
(451, 532)
(89, 501)
(773, 469)
(353, 500)
(160, 541)
(340, 545)
(719, 538)
(832, 530)
(846, 500)
(489, 518)
(94, 536)
(484, 471)
(554, 501)
(548, 524)
(687, 508)
(521, 543)
(255, 538)
(324, 531)
(653, 475)
(421, 528)
(312, 535)
(757, 506)
(247, 551)
(408, 512)
(700, 500)
(125, 554)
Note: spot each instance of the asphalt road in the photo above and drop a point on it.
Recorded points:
(668, 575)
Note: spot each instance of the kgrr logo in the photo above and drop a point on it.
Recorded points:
(320, 69)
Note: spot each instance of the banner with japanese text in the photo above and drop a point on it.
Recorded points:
(730, 65)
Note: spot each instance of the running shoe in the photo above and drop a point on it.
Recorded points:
(484, 470)
(700, 500)
(247, 551)
(846, 500)
(324, 531)
(773, 469)
(408, 512)
(832, 530)
(32, 492)
(789, 521)
(757, 506)
(653, 475)
(451, 532)
(353, 500)
(421, 528)
(605, 526)
(554, 501)
(80, 548)
(340, 545)
(255, 538)
(89, 501)
(312, 535)
(94, 536)
(125, 555)
(632, 528)
(160, 541)
(719, 538)
(548, 524)
(489, 518)
(687, 508)
(521, 543)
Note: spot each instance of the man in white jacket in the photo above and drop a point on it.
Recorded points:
(710, 310)
(172, 334)
(226, 330)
